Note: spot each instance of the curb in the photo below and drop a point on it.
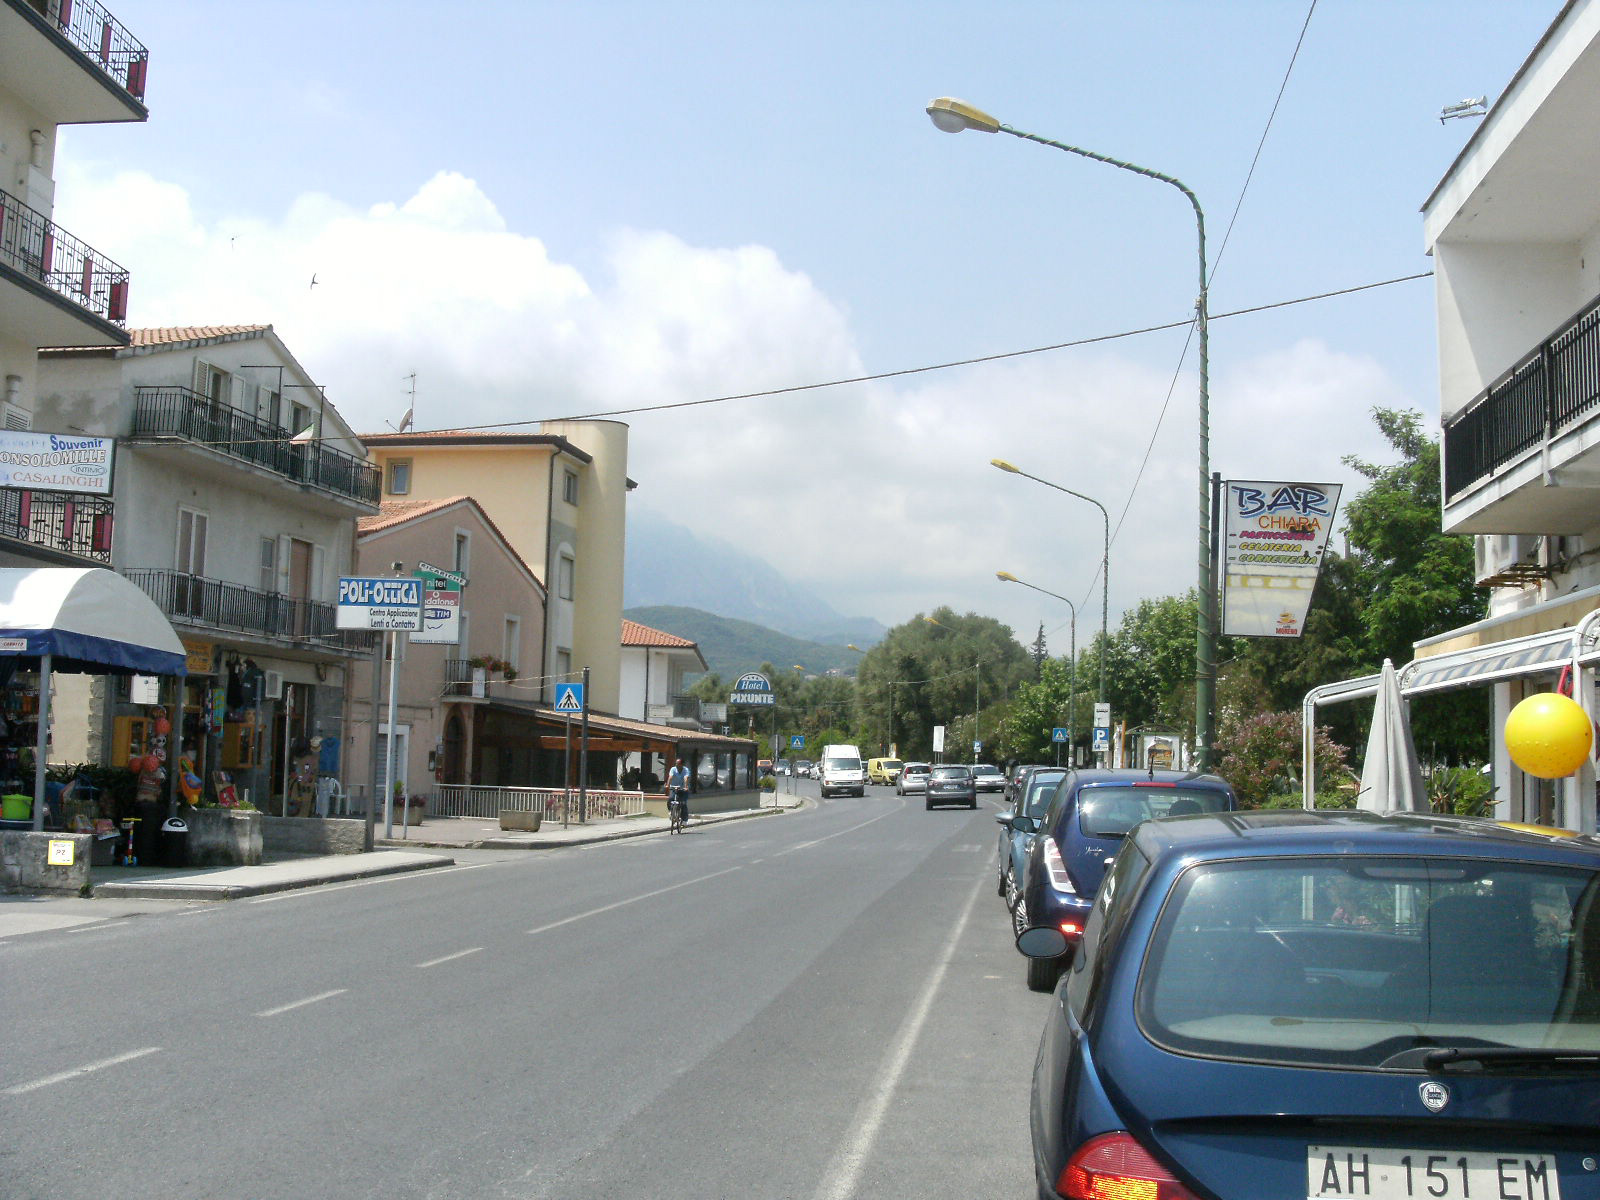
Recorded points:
(589, 839)
(193, 889)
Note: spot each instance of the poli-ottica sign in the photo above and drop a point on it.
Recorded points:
(1276, 535)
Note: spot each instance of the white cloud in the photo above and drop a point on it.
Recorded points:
(878, 495)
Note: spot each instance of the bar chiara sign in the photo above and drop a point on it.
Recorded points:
(1276, 536)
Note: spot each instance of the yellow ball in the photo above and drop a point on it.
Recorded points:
(1549, 735)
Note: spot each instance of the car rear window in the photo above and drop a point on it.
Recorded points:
(918, 769)
(1040, 789)
(951, 773)
(1109, 812)
(1373, 961)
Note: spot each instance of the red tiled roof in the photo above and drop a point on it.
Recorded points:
(635, 634)
(189, 333)
(396, 512)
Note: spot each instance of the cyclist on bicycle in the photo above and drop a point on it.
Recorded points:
(678, 790)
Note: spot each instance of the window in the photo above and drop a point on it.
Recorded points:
(269, 564)
(569, 487)
(399, 476)
(563, 664)
(511, 643)
(564, 573)
(190, 558)
(463, 552)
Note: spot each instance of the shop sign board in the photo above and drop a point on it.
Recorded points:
(1276, 534)
(200, 658)
(441, 606)
(56, 462)
(382, 602)
(938, 739)
(753, 688)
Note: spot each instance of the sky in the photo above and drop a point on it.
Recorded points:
(551, 210)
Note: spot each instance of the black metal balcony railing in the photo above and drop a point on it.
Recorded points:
(1555, 385)
(32, 243)
(215, 604)
(102, 40)
(180, 412)
(72, 523)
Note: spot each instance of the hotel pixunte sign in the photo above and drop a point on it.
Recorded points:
(379, 603)
(753, 688)
(1277, 534)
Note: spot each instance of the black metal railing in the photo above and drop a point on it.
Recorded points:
(33, 244)
(1552, 387)
(180, 412)
(102, 39)
(216, 604)
(72, 523)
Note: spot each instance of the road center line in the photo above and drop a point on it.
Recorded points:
(845, 1171)
(434, 962)
(841, 833)
(62, 1077)
(283, 1008)
(605, 908)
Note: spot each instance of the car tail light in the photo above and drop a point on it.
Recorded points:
(1056, 869)
(1116, 1167)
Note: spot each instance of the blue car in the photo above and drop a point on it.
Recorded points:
(1331, 1005)
(1018, 825)
(1082, 830)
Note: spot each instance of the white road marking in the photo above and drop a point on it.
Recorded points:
(396, 877)
(841, 833)
(434, 962)
(845, 1171)
(283, 1008)
(605, 908)
(62, 1077)
(101, 925)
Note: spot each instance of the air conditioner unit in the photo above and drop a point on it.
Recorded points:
(1508, 559)
(274, 685)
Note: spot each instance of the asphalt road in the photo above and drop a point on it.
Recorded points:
(814, 1006)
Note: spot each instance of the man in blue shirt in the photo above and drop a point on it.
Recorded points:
(678, 788)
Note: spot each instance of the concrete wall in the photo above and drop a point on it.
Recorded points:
(224, 837)
(313, 835)
(24, 862)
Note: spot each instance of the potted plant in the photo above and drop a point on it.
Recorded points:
(408, 809)
(494, 666)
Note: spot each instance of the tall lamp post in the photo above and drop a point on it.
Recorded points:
(977, 677)
(1105, 565)
(953, 116)
(1072, 677)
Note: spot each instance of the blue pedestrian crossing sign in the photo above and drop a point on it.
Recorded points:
(569, 697)
(796, 742)
(1058, 734)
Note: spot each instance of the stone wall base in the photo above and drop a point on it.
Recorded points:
(314, 835)
(25, 862)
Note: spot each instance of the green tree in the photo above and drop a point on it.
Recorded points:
(1039, 706)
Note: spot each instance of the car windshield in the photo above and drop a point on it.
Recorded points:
(1374, 961)
(951, 773)
(1109, 812)
(891, 764)
(1040, 788)
(841, 764)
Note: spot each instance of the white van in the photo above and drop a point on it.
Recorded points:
(841, 772)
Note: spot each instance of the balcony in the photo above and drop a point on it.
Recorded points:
(81, 286)
(72, 61)
(1524, 457)
(231, 607)
(679, 710)
(66, 523)
(177, 412)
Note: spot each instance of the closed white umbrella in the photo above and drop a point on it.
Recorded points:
(1391, 780)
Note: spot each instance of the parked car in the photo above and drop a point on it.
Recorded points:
(1090, 812)
(951, 783)
(1014, 780)
(913, 778)
(1327, 1004)
(1018, 826)
(784, 767)
(988, 777)
(883, 770)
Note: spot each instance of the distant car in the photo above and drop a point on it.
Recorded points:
(783, 766)
(805, 768)
(1326, 1004)
(913, 778)
(1018, 826)
(951, 784)
(988, 777)
(1090, 812)
(763, 766)
(883, 770)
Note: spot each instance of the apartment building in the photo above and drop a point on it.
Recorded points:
(62, 62)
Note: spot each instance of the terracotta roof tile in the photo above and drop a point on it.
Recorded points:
(635, 634)
(396, 512)
(189, 333)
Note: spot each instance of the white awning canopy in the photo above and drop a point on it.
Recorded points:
(87, 619)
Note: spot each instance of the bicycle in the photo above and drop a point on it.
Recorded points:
(675, 811)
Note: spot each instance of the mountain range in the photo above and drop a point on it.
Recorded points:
(669, 564)
(731, 646)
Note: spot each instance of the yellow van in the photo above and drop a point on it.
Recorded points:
(883, 770)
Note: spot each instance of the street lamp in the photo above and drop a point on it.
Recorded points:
(953, 116)
(977, 676)
(1105, 563)
(1072, 677)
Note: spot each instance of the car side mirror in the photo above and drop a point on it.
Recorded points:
(1042, 941)
(1003, 818)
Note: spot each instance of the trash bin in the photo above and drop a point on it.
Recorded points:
(175, 842)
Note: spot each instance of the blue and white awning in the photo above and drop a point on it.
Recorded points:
(88, 619)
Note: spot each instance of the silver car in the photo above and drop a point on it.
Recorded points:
(913, 778)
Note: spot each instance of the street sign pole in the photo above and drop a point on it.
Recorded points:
(388, 746)
(583, 756)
